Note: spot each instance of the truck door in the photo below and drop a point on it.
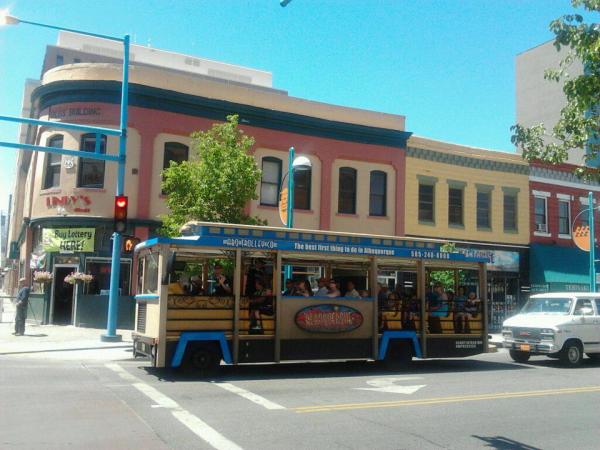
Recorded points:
(596, 323)
(585, 328)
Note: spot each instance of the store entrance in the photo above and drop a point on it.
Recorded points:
(62, 296)
(502, 300)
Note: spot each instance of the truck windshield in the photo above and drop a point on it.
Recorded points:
(548, 305)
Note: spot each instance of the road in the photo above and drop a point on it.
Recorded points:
(480, 402)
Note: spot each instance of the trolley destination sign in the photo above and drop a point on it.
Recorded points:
(205, 235)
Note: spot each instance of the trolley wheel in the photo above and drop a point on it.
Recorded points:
(399, 355)
(204, 360)
(519, 356)
(572, 353)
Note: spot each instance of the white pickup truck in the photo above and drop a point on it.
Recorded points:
(561, 325)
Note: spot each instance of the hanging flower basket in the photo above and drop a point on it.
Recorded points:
(42, 277)
(78, 277)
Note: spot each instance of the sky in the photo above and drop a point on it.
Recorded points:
(447, 65)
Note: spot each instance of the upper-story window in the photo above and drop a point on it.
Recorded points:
(176, 152)
(302, 188)
(564, 217)
(378, 193)
(91, 171)
(484, 210)
(271, 179)
(60, 60)
(53, 160)
(510, 210)
(456, 190)
(347, 191)
(541, 214)
(427, 199)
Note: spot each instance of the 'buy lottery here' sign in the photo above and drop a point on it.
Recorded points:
(68, 240)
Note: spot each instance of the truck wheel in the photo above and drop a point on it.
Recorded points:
(204, 360)
(519, 356)
(398, 355)
(571, 354)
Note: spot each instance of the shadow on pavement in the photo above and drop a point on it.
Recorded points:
(329, 370)
(35, 335)
(503, 443)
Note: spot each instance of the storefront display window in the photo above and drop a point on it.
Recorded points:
(100, 269)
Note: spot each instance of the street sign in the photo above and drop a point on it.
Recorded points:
(283, 205)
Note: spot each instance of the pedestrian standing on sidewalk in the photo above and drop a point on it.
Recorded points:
(21, 304)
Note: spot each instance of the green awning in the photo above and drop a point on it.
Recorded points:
(554, 264)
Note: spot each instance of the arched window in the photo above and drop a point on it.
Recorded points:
(91, 171)
(302, 187)
(378, 191)
(347, 191)
(53, 160)
(270, 181)
(176, 152)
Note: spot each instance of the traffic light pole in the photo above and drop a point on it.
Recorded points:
(113, 297)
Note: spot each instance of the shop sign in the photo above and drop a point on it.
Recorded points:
(540, 287)
(499, 260)
(61, 113)
(328, 319)
(68, 240)
(77, 203)
(283, 206)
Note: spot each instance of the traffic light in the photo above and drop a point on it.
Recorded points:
(129, 243)
(120, 224)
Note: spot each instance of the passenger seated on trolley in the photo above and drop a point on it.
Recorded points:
(195, 286)
(261, 303)
(290, 288)
(333, 290)
(303, 288)
(410, 310)
(351, 291)
(322, 291)
(179, 287)
(222, 286)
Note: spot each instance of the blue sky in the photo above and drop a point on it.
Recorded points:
(448, 66)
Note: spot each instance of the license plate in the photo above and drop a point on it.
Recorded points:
(525, 347)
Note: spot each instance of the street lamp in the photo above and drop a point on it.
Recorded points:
(113, 299)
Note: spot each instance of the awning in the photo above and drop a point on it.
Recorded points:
(554, 265)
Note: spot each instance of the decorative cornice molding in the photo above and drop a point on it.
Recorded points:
(104, 91)
(466, 161)
(553, 175)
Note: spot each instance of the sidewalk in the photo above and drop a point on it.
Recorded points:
(59, 342)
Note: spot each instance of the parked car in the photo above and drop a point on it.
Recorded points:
(561, 325)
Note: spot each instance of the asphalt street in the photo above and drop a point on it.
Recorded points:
(480, 402)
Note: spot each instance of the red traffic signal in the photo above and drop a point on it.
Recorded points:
(120, 218)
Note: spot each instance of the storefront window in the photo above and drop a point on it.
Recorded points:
(100, 268)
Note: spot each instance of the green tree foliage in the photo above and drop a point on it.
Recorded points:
(216, 186)
(579, 123)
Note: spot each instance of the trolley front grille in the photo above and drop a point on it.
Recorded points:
(141, 318)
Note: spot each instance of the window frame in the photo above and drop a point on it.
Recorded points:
(306, 172)
(487, 210)
(84, 161)
(381, 195)
(515, 197)
(537, 215)
(51, 166)
(349, 194)
(106, 260)
(279, 162)
(568, 218)
(429, 184)
(167, 162)
(457, 188)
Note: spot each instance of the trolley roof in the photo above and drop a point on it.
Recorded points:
(262, 238)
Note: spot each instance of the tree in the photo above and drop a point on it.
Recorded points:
(579, 124)
(217, 185)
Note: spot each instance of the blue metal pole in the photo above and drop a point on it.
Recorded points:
(592, 243)
(290, 203)
(113, 299)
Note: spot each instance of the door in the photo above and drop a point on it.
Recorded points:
(62, 308)
(583, 321)
(596, 321)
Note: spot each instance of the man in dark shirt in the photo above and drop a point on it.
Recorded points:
(222, 284)
(21, 304)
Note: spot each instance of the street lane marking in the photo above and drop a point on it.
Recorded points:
(192, 422)
(441, 400)
(249, 396)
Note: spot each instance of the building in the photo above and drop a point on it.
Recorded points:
(539, 100)
(64, 222)
(479, 199)
(559, 204)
